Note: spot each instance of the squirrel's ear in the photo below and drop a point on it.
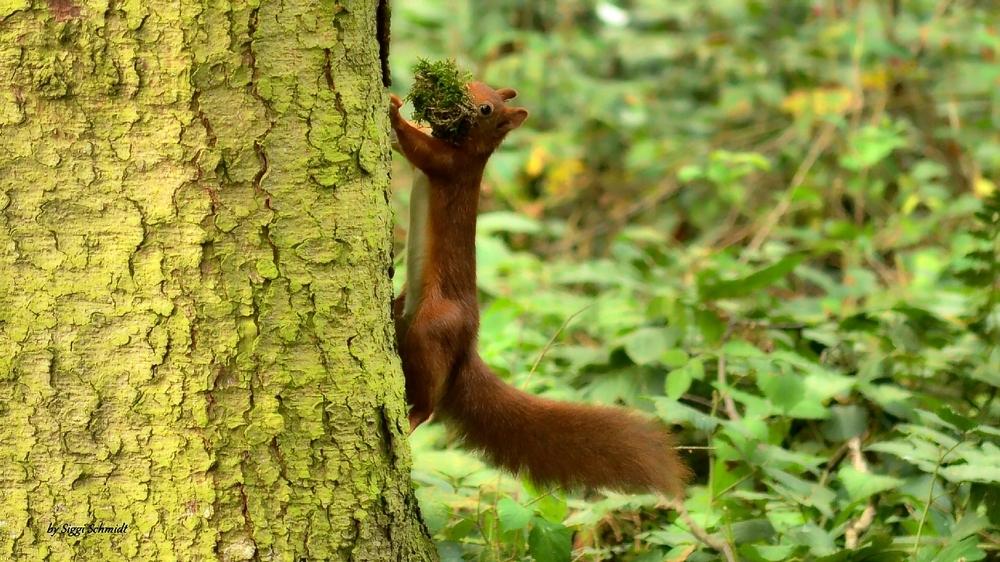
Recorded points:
(507, 93)
(515, 117)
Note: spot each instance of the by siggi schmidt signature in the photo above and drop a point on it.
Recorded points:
(72, 530)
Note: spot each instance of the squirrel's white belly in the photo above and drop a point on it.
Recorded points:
(416, 241)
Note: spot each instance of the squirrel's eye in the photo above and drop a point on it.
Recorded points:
(486, 109)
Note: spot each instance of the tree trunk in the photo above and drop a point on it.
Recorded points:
(195, 338)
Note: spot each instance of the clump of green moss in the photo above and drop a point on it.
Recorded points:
(441, 99)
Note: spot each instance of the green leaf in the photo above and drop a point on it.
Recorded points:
(801, 491)
(784, 390)
(461, 529)
(775, 552)
(918, 452)
(818, 540)
(780, 457)
(549, 542)
(751, 530)
(961, 422)
(861, 485)
(711, 287)
(646, 345)
(673, 357)
(690, 172)
(879, 549)
(550, 504)
(969, 472)
(678, 382)
(870, 146)
(711, 327)
(435, 512)
(505, 221)
(845, 422)
(672, 411)
(741, 348)
(966, 549)
(512, 515)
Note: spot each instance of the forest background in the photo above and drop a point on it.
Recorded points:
(772, 223)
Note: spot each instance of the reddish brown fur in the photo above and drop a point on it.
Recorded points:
(555, 442)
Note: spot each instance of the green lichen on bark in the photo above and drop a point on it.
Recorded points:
(194, 332)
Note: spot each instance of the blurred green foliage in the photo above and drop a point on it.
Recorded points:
(773, 223)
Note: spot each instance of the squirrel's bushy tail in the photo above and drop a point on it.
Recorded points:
(571, 445)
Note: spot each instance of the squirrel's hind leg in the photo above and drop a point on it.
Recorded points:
(429, 349)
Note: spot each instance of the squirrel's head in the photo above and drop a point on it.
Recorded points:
(494, 118)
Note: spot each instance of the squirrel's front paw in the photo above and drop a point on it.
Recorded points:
(394, 104)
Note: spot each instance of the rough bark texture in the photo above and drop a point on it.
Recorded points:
(194, 323)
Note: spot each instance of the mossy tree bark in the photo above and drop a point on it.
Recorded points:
(194, 301)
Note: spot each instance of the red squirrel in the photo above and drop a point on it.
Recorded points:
(437, 325)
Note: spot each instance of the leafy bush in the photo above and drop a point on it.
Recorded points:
(774, 224)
